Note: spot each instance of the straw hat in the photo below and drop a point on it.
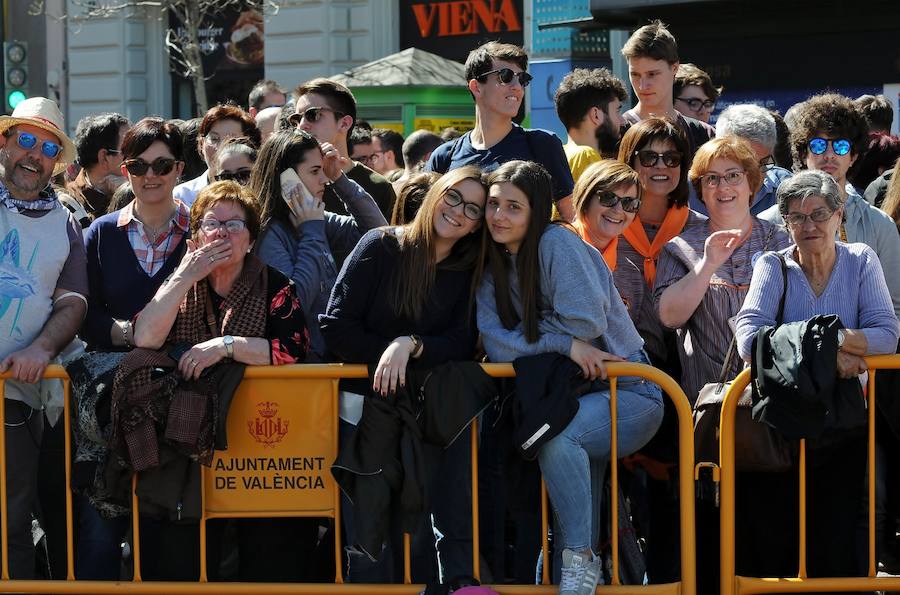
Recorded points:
(43, 113)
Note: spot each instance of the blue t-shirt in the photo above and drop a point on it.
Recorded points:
(540, 146)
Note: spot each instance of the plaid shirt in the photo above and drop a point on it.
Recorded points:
(153, 253)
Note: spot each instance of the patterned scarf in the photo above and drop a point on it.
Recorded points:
(244, 309)
(46, 202)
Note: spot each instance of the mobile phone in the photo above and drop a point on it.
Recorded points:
(290, 179)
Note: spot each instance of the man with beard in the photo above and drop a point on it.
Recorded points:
(42, 300)
(588, 103)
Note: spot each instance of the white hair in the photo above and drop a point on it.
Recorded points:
(750, 122)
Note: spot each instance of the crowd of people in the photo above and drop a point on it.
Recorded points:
(293, 232)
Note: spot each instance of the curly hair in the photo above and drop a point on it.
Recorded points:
(226, 191)
(831, 114)
(733, 148)
(582, 89)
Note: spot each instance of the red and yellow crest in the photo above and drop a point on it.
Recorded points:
(268, 429)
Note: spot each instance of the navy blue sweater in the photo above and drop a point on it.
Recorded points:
(119, 286)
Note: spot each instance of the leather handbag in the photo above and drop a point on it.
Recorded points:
(758, 447)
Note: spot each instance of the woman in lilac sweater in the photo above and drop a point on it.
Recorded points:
(824, 276)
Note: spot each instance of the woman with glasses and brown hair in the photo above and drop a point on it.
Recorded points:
(606, 198)
(405, 294)
(299, 237)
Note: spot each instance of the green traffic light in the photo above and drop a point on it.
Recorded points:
(15, 98)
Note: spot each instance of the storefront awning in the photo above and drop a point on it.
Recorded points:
(410, 68)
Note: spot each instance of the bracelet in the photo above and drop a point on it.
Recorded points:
(127, 333)
(418, 346)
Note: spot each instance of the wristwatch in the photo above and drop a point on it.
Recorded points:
(841, 335)
(228, 341)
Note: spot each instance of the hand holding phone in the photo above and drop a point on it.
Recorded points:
(303, 205)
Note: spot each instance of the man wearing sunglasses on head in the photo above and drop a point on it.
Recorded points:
(327, 110)
(829, 132)
(42, 300)
(497, 79)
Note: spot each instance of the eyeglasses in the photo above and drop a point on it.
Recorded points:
(731, 178)
(696, 104)
(818, 145)
(471, 210)
(650, 158)
(608, 198)
(313, 114)
(27, 141)
(506, 75)
(215, 139)
(766, 162)
(241, 176)
(820, 215)
(232, 226)
(161, 166)
(369, 159)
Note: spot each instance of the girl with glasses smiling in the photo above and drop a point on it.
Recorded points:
(404, 295)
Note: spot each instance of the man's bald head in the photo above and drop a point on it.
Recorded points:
(265, 121)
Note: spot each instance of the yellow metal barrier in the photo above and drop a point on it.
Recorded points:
(731, 583)
(326, 504)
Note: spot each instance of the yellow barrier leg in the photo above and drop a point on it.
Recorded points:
(135, 530)
(545, 545)
(614, 480)
(338, 558)
(802, 565)
(4, 535)
(872, 472)
(476, 553)
(407, 571)
(67, 430)
(203, 519)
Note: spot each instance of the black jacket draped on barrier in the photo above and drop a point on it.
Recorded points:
(381, 467)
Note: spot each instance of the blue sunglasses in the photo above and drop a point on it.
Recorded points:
(818, 146)
(27, 141)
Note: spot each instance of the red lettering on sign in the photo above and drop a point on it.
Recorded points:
(466, 17)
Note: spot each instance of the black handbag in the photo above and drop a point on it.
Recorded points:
(758, 447)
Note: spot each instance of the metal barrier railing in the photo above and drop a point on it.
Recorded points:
(333, 372)
(731, 583)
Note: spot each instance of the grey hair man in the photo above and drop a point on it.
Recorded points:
(756, 125)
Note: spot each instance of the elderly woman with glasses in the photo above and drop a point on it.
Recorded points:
(824, 276)
(829, 134)
(221, 304)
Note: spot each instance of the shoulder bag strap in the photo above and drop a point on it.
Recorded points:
(784, 273)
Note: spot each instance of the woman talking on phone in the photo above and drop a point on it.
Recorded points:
(298, 237)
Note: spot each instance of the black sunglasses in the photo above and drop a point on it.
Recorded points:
(161, 166)
(608, 198)
(506, 75)
(313, 114)
(650, 158)
(697, 104)
(241, 176)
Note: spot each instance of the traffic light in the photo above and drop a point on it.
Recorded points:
(15, 73)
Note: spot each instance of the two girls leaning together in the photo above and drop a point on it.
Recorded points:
(405, 294)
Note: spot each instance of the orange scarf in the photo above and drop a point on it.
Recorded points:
(609, 253)
(671, 226)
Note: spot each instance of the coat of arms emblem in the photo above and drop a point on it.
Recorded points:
(268, 429)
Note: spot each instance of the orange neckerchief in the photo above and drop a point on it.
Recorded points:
(671, 226)
(609, 253)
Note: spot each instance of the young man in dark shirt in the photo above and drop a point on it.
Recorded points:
(652, 55)
(497, 81)
(327, 110)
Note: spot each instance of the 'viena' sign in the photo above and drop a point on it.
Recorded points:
(466, 17)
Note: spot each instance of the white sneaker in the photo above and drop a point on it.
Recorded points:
(579, 574)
